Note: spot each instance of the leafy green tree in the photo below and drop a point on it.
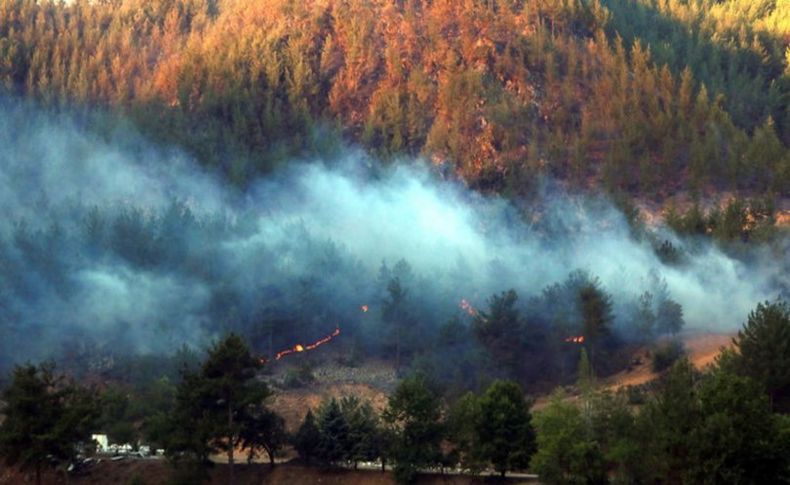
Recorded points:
(307, 438)
(668, 420)
(505, 436)
(414, 415)
(736, 439)
(46, 417)
(460, 428)
(761, 350)
(615, 427)
(263, 429)
(567, 449)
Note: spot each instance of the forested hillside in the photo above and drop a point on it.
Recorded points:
(645, 96)
(464, 203)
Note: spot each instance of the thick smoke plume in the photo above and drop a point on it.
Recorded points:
(110, 243)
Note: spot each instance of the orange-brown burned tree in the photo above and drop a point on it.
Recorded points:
(479, 85)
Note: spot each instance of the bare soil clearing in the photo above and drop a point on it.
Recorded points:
(701, 347)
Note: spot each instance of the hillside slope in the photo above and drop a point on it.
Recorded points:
(496, 91)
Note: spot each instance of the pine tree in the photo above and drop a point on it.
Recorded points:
(46, 418)
(595, 307)
(500, 330)
(762, 347)
(395, 304)
(364, 434)
(670, 419)
(334, 443)
(214, 405)
(307, 438)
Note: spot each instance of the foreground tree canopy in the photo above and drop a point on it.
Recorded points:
(222, 407)
(761, 351)
(718, 426)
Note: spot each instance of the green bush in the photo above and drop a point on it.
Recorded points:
(665, 354)
(635, 395)
(299, 376)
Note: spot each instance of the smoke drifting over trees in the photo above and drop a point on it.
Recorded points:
(109, 245)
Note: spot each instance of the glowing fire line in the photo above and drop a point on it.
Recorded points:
(303, 348)
(575, 340)
(468, 308)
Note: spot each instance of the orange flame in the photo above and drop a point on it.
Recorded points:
(364, 308)
(302, 348)
(468, 308)
(575, 340)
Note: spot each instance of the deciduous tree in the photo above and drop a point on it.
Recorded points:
(414, 416)
(505, 436)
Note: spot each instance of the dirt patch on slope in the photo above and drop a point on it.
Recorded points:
(702, 349)
(371, 381)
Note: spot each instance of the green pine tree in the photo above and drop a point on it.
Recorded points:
(46, 417)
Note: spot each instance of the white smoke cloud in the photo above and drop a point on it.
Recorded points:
(459, 242)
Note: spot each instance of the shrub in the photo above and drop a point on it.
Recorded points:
(665, 354)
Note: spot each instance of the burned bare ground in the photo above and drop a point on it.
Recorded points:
(160, 472)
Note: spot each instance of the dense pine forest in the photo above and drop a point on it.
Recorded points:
(649, 97)
(478, 219)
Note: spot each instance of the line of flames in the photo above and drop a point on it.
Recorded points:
(303, 348)
(575, 340)
(468, 308)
